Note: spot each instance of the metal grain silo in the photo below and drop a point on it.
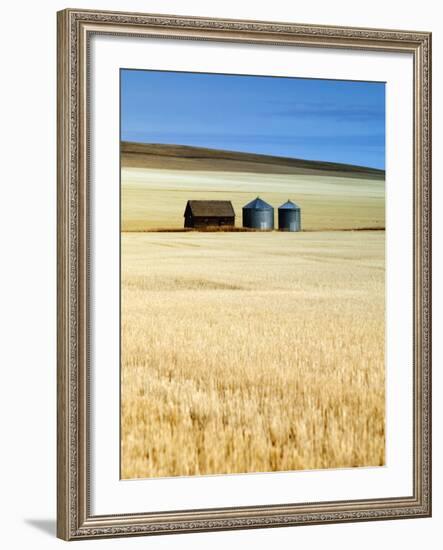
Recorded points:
(258, 214)
(289, 217)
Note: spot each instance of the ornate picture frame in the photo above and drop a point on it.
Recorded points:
(75, 519)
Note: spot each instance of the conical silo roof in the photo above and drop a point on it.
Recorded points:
(258, 204)
(289, 205)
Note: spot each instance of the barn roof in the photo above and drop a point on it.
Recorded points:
(258, 204)
(289, 205)
(210, 208)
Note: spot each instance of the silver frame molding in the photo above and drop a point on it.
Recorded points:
(75, 28)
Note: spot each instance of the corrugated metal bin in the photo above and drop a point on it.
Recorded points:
(289, 217)
(258, 214)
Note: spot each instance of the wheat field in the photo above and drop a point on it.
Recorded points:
(155, 199)
(252, 352)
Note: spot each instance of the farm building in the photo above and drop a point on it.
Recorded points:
(258, 214)
(289, 217)
(200, 214)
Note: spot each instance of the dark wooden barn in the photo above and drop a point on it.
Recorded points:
(200, 214)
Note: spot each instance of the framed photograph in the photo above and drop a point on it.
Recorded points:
(243, 274)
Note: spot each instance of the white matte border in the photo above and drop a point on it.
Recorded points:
(109, 495)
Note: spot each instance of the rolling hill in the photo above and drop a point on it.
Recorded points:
(184, 157)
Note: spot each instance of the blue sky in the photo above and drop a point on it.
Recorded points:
(329, 120)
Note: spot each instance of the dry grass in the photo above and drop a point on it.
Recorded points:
(252, 352)
(153, 199)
